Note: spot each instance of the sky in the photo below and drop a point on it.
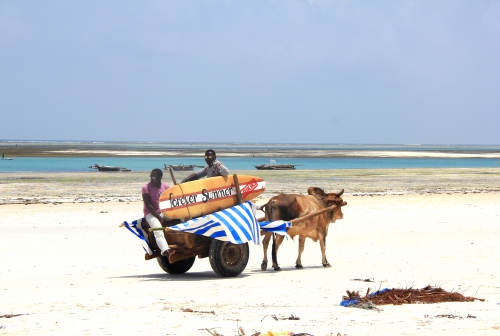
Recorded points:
(290, 71)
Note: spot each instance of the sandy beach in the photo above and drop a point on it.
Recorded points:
(67, 268)
(34, 187)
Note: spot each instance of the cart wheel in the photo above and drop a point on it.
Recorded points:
(228, 260)
(182, 266)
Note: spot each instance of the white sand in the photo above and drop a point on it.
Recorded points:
(71, 270)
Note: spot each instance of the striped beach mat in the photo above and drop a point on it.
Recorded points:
(237, 225)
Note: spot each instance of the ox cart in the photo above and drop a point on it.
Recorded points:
(226, 259)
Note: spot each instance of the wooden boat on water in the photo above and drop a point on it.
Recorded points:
(275, 167)
(108, 168)
(181, 167)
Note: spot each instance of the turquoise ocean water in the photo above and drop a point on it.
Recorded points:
(55, 164)
(254, 154)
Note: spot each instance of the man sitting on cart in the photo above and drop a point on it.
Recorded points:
(213, 168)
(151, 193)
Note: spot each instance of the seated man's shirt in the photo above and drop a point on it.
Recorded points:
(154, 194)
(217, 169)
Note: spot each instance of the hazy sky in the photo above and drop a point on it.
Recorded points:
(393, 72)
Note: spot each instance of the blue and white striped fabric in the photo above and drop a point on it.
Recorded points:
(136, 228)
(278, 227)
(237, 225)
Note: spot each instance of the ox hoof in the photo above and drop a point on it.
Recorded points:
(298, 266)
(263, 266)
(326, 265)
(277, 268)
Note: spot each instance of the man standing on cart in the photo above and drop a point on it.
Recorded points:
(213, 168)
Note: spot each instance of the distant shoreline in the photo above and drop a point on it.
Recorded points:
(31, 188)
(14, 149)
(63, 151)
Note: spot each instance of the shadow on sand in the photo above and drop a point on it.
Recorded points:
(188, 276)
(210, 275)
(283, 269)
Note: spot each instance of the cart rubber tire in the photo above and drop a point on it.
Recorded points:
(227, 259)
(180, 267)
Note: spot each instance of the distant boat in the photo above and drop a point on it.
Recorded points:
(275, 167)
(108, 168)
(182, 167)
(4, 158)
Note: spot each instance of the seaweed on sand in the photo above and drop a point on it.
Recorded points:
(398, 296)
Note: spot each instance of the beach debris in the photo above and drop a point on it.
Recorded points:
(397, 296)
(212, 332)
(291, 317)
(364, 280)
(11, 315)
(241, 331)
(189, 310)
(282, 333)
(451, 316)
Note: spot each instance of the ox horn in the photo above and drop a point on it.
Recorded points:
(340, 193)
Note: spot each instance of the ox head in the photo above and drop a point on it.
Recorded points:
(329, 200)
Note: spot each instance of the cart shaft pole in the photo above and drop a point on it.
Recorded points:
(317, 213)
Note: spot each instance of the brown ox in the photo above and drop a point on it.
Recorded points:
(291, 206)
